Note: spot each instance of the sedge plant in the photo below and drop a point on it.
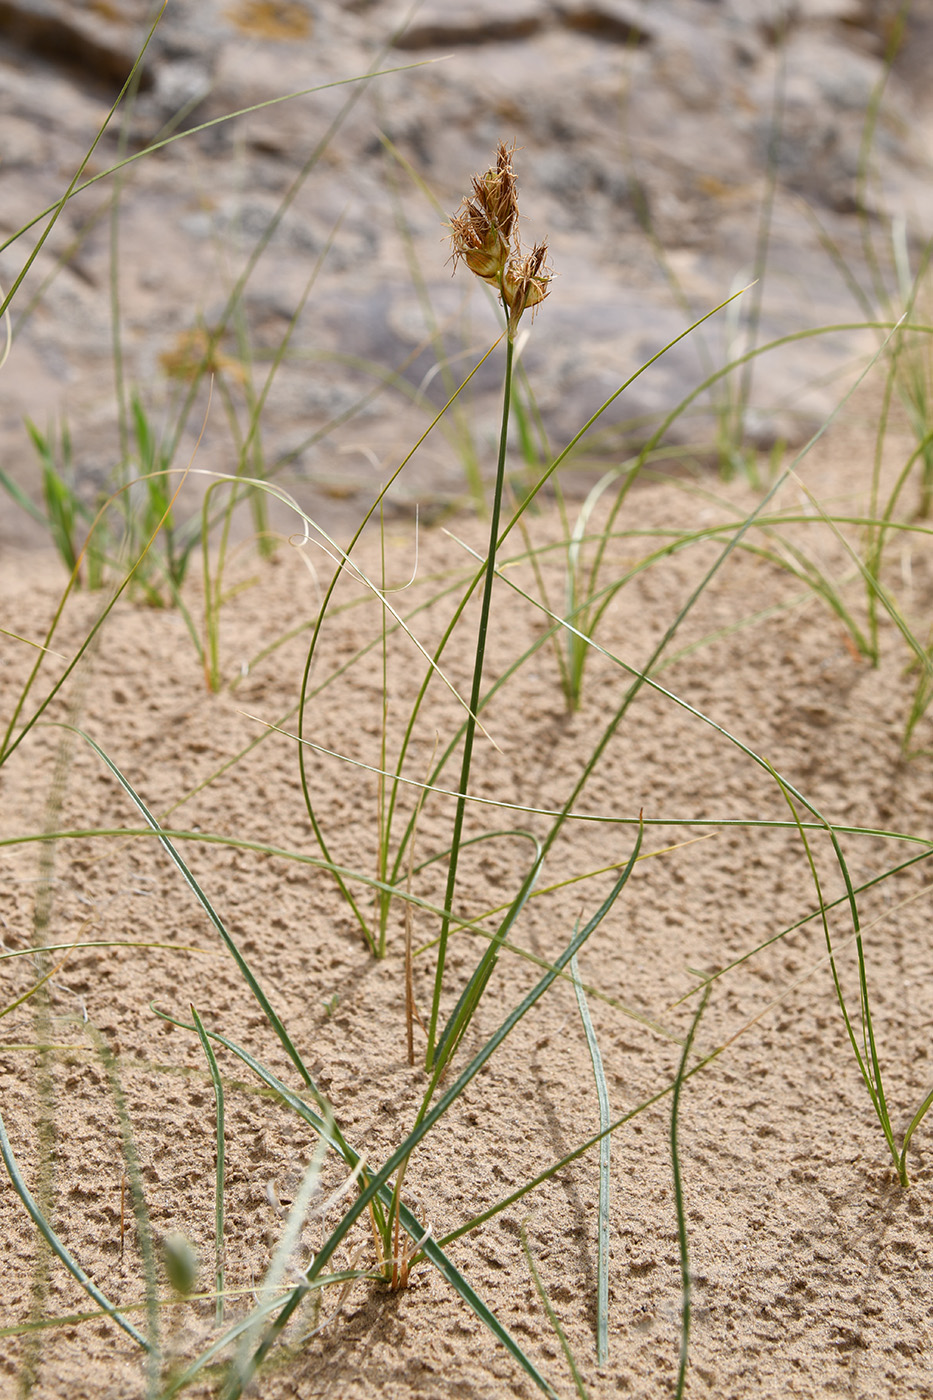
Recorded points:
(485, 237)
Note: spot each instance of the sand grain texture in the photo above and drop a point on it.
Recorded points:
(810, 1265)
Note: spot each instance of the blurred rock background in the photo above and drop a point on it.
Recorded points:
(670, 150)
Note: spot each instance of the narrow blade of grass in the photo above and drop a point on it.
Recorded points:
(36, 985)
(866, 1058)
(219, 1170)
(914, 1124)
(682, 1241)
(56, 1245)
(605, 1148)
(552, 1315)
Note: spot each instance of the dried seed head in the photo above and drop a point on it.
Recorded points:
(478, 243)
(481, 230)
(526, 283)
(498, 192)
(484, 235)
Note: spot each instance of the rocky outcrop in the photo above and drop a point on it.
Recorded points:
(673, 151)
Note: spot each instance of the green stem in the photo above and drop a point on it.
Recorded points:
(470, 733)
(382, 864)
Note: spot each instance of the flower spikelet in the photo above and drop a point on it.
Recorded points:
(481, 230)
(484, 235)
(525, 283)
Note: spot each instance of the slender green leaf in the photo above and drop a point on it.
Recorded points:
(56, 1245)
(552, 1315)
(219, 1167)
(682, 1239)
(605, 1148)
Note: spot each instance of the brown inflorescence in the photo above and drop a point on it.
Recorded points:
(484, 234)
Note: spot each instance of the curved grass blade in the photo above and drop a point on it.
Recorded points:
(551, 1314)
(914, 1124)
(679, 1201)
(465, 1290)
(814, 914)
(55, 1244)
(876, 588)
(98, 942)
(866, 1058)
(75, 188)
(605, 1148)
(219, 1177)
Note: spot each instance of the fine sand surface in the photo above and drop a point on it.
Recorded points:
(810, 1264)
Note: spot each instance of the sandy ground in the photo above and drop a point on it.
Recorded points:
(810, 1265)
